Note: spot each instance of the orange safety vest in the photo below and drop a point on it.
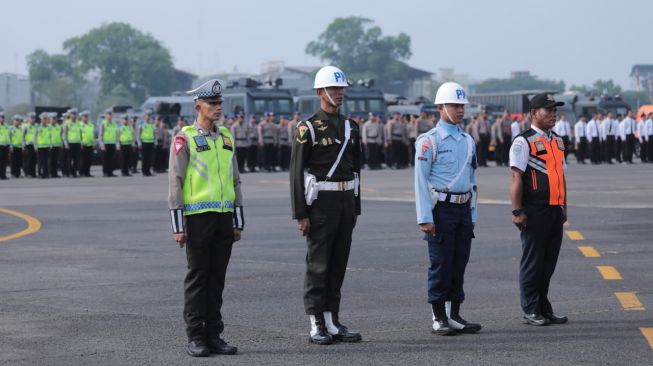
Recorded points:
(544, 179)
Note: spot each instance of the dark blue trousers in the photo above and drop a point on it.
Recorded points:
(449, 251)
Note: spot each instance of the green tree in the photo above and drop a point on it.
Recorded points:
(21, 108)
(360, 49)
(599, 87)
(53, 79)
(123, 56)
(120, 95)
(524, 83)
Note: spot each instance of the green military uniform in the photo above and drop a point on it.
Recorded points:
(43, 141)
(333, 214)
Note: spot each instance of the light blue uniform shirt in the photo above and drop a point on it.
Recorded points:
(451, 143)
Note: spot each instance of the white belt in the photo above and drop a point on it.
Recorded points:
(337, 186)
(459, 199)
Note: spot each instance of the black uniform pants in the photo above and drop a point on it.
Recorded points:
(581, 151)
(109, 159)
(398, 153)
(269, 156)
(210, 239)
(410, 161)
(158, 158)
(619, 149)
(643, 151)
(629, 148)
(29, 164)
(332, 217)
(541, 240)
(241, 157)
(505, 149)
(498, 153)
(284, 157)
(133, 159)
(16, 161)
(449, 251)
(55, 155)
(373, 155)
(482, 149)
(72, 162)
(252, 156)
(125, 159)
(609, 148)
(4, 158)
(148, 151)
(595, 152)
(43, 159)
(567, 144)
(87, 160)
(649, 149)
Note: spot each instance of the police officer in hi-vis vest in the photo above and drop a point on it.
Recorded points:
(42, 141)
(539, 200)
(5, 142)
(145, 139)
(108, 137)
(207, 216)
(324, 189)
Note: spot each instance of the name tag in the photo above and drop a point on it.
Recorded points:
(202, 144)
(226, 143)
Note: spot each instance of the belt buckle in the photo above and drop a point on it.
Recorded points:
(342, 186)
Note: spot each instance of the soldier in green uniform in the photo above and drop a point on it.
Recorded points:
(42, 141)
(56, 140)
(205, 204)
(326, 158)
(4, 146)
(17, 143)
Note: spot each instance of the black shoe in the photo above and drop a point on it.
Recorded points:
(218, 346)
(535, 319)
(440, 324)
(339, 332)
(457, 322)
(197, 348)
(554, 319)
(319, 334)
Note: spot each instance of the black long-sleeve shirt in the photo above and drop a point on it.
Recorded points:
(317, 156)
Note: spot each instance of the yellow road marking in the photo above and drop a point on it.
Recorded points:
(609, 273)
(629, 301)
(589, 252)
(33, 224)
(648, 334)
(574, 235)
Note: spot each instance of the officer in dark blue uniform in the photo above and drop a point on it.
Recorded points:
(445, 186)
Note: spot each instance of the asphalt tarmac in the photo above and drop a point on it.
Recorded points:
(101, 281)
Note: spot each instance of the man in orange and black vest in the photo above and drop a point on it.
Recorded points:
(539, 201)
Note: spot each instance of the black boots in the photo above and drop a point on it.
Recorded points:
(218, 346)
(319, 334)
(440, 323)
(456, 322)
(338, 331)
(197, 348)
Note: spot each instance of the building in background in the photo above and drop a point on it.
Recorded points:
(14, 89)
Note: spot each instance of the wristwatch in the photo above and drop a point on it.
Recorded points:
(517, 212)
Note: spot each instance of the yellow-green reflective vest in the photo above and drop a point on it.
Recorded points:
(126, 135)
(147, 132)
(29, 134)
(88, 134)
(16, 137)
(209, 182)
(43, 137)
(4, 135)
(55, 135)
(74, 132)
(109, 131)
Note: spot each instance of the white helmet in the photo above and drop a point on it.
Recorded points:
(451, 93)
(330, 76)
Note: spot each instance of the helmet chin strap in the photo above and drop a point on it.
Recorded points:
(330, 99)
(444, 106)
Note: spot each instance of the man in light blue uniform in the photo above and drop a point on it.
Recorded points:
(445, 198)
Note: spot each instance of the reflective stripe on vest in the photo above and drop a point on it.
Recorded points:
(88, 134)
(109, 132)
(43, 137)
(209, 183)
(4, 135)
(544, 182)
(55, 135)
(126, 135)
(147, 133)
(74, 132)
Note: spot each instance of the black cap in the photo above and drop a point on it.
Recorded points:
(544, 100)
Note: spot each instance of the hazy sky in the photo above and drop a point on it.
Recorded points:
(577, 41)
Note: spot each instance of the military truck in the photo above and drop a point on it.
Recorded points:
(587, 105)
(253, 98)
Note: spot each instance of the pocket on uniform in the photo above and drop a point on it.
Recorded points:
(435, 239)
